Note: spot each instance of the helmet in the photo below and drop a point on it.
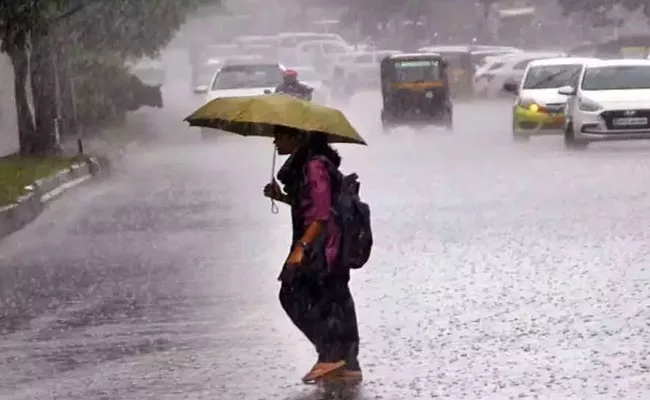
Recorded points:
(290, 76)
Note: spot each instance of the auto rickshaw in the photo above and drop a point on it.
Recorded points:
(415, 91)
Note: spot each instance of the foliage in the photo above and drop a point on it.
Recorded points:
(49, 28)
(96, 77)
(127, 27)
(597, 10)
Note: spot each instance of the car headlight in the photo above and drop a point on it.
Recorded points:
(529, 104)
(588, 105)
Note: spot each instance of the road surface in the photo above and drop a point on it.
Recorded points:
(500, 271)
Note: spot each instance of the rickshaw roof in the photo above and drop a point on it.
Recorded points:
(413, 56)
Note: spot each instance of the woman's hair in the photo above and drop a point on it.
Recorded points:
(318, 145)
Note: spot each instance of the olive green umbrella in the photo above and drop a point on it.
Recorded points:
(260, 115)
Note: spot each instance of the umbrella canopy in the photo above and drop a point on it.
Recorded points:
(260, 115)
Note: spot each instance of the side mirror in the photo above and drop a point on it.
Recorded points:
(511, 87)
(567, 91)
(201, 89)
(267, 91)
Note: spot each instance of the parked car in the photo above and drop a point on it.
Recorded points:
(362, 69)
(321, 53)
(289, 41)
(488, 82)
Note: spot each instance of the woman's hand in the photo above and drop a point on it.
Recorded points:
(296, 257)
(272, 191)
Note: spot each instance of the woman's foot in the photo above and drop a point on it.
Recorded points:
(347, 375)
(322, 369)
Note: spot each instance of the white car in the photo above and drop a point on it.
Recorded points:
(477, 53)
(245, 79)
(242, 78)
(611, 101)
(308, 76)
(361, 69)
(289, 41)
(321, 53)
(244, 41)
(489, 81)
(538, 108)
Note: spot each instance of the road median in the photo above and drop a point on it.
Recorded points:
(28, 184)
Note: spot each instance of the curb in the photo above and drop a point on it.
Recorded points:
(15, 216)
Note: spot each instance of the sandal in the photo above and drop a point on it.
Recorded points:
(322, 369)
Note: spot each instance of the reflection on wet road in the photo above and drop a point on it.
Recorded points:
(501, 270)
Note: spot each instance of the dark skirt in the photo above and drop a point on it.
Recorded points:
(320, 304)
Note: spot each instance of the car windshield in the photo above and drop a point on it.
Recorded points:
(247, 76)
(417, 70)
(551, 76)
(617, 77)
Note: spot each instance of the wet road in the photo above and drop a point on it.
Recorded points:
(500, 271)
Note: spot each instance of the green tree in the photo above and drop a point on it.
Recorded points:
(598, 10)
(44, 32)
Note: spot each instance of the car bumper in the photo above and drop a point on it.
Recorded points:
(591, 127)
(528, 122)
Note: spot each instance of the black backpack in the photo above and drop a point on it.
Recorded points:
(353, 216)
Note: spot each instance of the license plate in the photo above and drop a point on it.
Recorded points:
(630, 121)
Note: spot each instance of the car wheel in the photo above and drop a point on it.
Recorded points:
(570, 141)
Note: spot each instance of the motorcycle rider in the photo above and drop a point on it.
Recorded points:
(293, 87)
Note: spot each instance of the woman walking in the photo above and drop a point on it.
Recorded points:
(314, 291)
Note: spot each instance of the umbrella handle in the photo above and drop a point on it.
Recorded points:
(274, 206)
